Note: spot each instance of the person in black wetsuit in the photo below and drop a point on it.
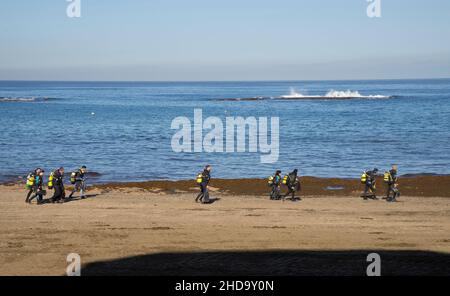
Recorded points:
(203, 196)
(79, 184)
(369, 185)
(392, 185)
(39, 185)
(293, 185)
(58, 185)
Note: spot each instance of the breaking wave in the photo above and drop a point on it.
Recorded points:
(333, 94)
(245, 99)
(351, 94)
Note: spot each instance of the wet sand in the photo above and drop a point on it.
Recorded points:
(126, 229)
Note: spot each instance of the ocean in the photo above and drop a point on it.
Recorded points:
(122, 130)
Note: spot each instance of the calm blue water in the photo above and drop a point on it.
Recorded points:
(129, 137)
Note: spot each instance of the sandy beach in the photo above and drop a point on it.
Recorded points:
(143, 229)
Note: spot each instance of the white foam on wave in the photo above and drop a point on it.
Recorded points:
(333, 94)
(293, 94)
(350, 94)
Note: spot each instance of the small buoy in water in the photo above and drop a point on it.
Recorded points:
(92, 113)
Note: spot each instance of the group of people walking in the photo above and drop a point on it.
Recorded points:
(368, 178)
(35, 185)
(291, 181)
(390, 178)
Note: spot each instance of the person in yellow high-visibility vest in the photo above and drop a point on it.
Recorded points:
(30, 185)
(203, 182)
(369, 185)
(392, 184)
(39, 191)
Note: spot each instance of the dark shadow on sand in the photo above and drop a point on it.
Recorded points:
(78, 198)
(66, 200)
(212, 200)
(274, 263)
(295, 199)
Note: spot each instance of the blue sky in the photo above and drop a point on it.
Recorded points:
(224, 40)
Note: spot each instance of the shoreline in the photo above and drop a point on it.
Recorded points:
(423, 186)
(419, 186)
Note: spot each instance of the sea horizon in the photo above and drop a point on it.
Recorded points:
(239, 80)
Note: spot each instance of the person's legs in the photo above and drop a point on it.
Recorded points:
(39, 198)
(277, 192)
(38, 195)
(372, 191)
(388, 193)
(200, 195)
(30, 191)
(297, 189)
(52, 199)
(273, 192)
(366, 189)
(205, 198)
(57, 195)
(63, 193)
(288, 192)
(82, 189)
(73, 192)
(395, 193)
(76, 187)
(369, 191)
(33, 197)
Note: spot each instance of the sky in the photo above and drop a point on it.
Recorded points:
(159, 40)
